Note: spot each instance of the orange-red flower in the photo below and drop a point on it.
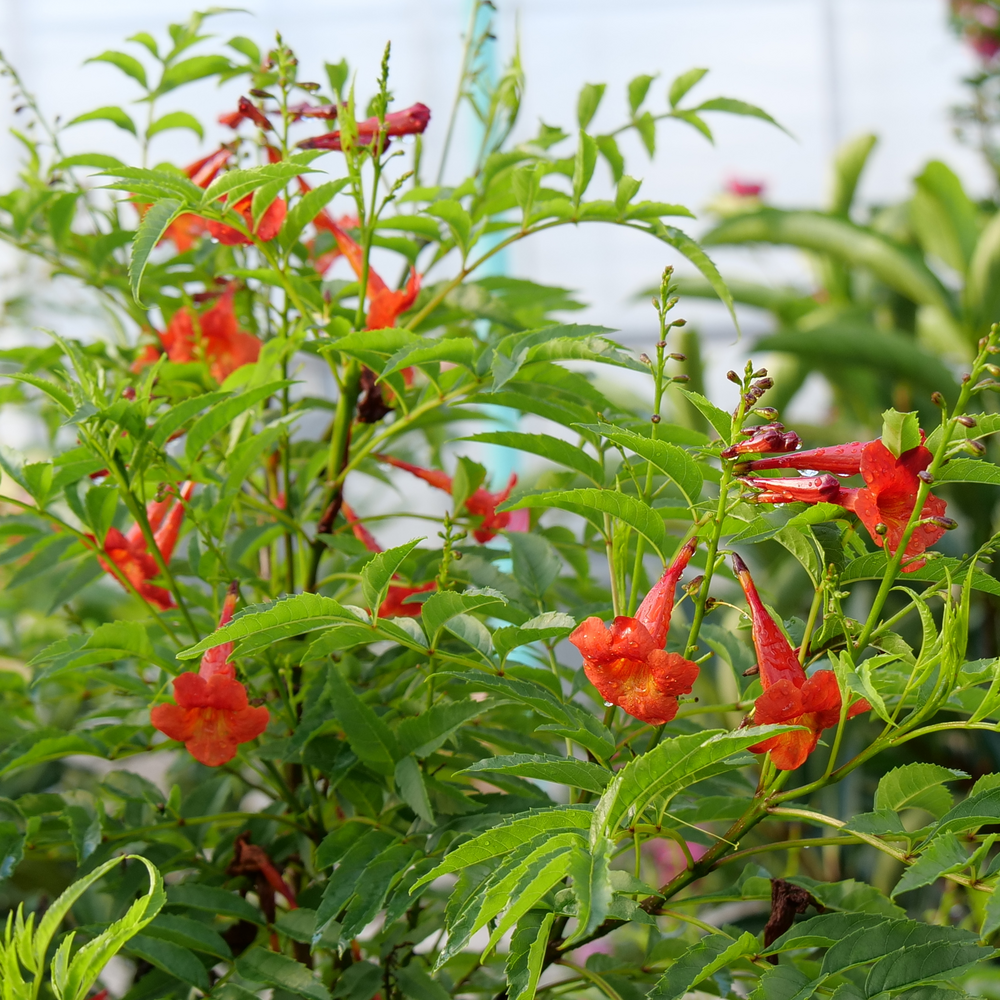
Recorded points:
(212, 715)
(766, 438)
(482, 503)
(884, 504)
(393, 606)
(410, 121)
(132, 560)
(266, 229)
(789, 696)
(627, 662)
(214, 336)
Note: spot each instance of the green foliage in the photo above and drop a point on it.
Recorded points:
(392, 774)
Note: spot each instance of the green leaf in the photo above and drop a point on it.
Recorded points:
(85, 831)
(261, 624)
(900, 431)
(526, 954)
(260, 965)
(548, 625)
(307, 208)
(210, 899)
(546, 767)
(825, 930)
(107, 114)
(379, 571)
(370, 738)
(638, 88)
(719, 419)
(508, 836)
(944, 216)
(129, 65)
(175, 119)
(589, 502)
(416, 983)
(712, 953)
(785, 982)
(412, 790)
(982, 286)
(590, 871)
(609, 150)
(443, 605)
(970, 470)
(154, 224)
(683, 83)
(854, 245)
(469, 476)
(237, 183)
(381, 874)
(457, 219)
(554, 449)
(100, 160)
(732, 106)
(671, 766)
(535, 563)
(588, 102)
(583, 166)
(223, 413)
(425, 733)
(920, 964)
(188, 933)
(101, 502)
(917, 786)
(675, 463)
(172, 958)
(189, 70)
(11, 848)
(942, 854)
(972, 813)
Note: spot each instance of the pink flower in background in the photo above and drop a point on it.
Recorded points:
(745, 189)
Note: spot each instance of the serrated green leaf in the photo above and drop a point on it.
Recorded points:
(172, 958)
(129, 65)
(412, 790)
(970, 470)
(370, 738)
(554, 449)
(223, 413)
(588, 102)
(176, 119)
(917, 786)
(154, 224)
(943, 854)
(683, 83)
(379, 571)
(443, 605)
(260, 965)
(526, 954)
(713, 952)
(189, 70)
(107, 114)
(546, 767)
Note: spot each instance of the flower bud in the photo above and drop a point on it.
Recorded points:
(925, 477)
(976, 448)
(644, 358)
(655, 418)
(752, 671)
(966, 378)
(948, 523)
(661, 344)
(994, 370)
(881, 528)
(733, 377)
(760, 373)
(692, 588)
(764, 384)
(676, 357)
(262, 94)
(679, 322)
(767, 412)
(966, 421)
(681, 378)
(937, 399)
(311, 87)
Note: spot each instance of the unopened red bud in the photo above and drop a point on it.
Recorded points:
(925, 477)
(881, 529)
(456, 555)
(966, 421)
(767, 412)
(655, 418)
(937, 399)
(764, 384)
(733, 377)
(644, 358)
(694, 586)
(760, 373)
(753, 671)
(128, 392)
(975, 447)
(679, 322)
(965, 379)
(682, 378)
(311, 87)
(262, 94)
(677, 357)
(661, 344)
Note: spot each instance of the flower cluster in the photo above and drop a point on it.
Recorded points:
(627, 662)
(212, 715)
(884, 504)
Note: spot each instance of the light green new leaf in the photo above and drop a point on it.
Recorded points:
(379, 571)
(549, 625)
(261, 624)
(172, 958)
(970, 470)
(129, 65)
(154, 224)
(944, 216)
(719, 419)
(307, 208)
(943, 854)
(591, 874)
(176, 119)
(412, 790)
(108, 114)
(223, 413)
(260, 965)
(848, 164)
(683, 83)
(443, 605)
(917, 786)
(554, 449)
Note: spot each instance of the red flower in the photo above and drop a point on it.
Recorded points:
(266, 229)
(843, 459)
(789, 696)
(628, 664)
(411, 121)
(482, 503)
(212, 715)
(248, 110)
(392, 606)
(129, 554)
(884, 504)
(214, 336)
(767, 437)
(745, 189)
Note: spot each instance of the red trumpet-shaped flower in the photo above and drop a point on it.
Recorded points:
(129, 554)
(411, 121)
(268, 226)
(789, 696)
(482, 503)
(214, 336)
(766, 438)
(212, 716)
(884, 504)
(393, 606)
(627, 662)
(843, 459)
